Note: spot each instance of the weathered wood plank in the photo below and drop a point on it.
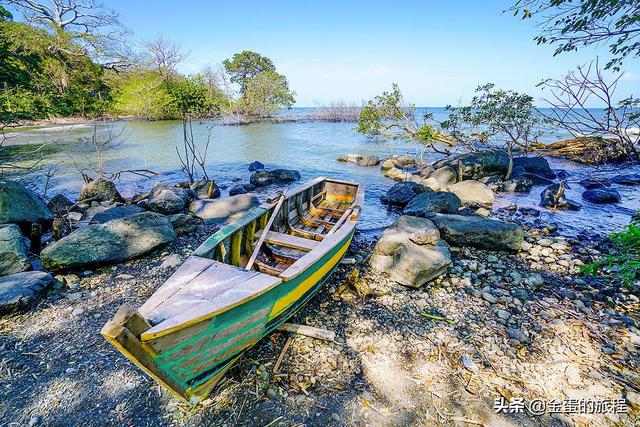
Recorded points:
(207, 248)
(289, 240)
(308, 331)
(189, 270)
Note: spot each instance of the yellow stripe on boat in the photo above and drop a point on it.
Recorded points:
(308, 283)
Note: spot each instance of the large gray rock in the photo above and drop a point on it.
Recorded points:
(241, 189)
(13, 250)
(19, 205)
(19, 291)
(202, 187)
(368, 161)
(395, 173)
(184, 224)
(60, 205)
(226, 209)
(445, 176)
(479, 232)
(473, 193)
(169, 200)
(261, 178)
(399, 254)
(518, 184)
(283, 176)
(601, 195)
(100, 190)
(118, 212)
(116, 241)
(553, 197)
(429, 202)
(535, 165)
(402, 193)
(478, 165)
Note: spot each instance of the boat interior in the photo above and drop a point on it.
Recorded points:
(295, 223)
(269, 244)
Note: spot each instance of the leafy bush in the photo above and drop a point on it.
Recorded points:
(623, 260)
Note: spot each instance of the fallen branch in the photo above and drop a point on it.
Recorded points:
(434, 317)
(309, 331)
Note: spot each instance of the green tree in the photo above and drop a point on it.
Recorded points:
(38, 82)
(505, 117)
(142, 94)
(246, 66)
(570, 24)
(390, 117)
(266, 94)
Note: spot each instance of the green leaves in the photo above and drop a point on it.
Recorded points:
(623, 260)
(245, 66)
(265, 94)
(571, 24)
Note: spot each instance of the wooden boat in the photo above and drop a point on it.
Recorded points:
(238, 286)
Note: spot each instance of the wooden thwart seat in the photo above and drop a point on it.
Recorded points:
(288, 240)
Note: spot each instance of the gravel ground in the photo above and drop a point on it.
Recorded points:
(496, 325)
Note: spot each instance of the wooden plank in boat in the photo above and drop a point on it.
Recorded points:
(289, 240)
(189, 270)
(203, 306)
(207, 286)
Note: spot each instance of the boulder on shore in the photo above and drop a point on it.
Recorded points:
(116, 241)
(183, 223)
(13, 250)
(429, 202)
(535, 165)
(20, 291)
(241, 189)
(19, 205)
(118, 212)
(169, 200)
(479, 232)
(553, 197)
(445, 176)
(226, 209)
(478, 165)
(402, 193)
(202, 188)
(411, 252)
(262, 177)
(473, 193)
(256, 165)
(100, 190)
(591, 183)
(601, 195)
(60, 205)
(518, 184)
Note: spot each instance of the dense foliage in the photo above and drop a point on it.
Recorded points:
(570, 24)
(623, 260)
(38, 82)
(66, 61)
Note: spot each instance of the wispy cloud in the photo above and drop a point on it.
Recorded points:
(630, 76)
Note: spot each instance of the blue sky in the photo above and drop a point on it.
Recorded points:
(437, 51)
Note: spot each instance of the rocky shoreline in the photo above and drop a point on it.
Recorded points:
(505, 313)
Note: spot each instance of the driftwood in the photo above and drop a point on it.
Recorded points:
(309, 331)
(585, 149)
(276, 367)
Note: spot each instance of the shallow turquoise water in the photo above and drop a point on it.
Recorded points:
(310, 147)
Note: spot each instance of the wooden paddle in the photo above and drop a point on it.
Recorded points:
(263, 234)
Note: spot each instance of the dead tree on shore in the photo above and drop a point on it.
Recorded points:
(193, 159)
(611, 134)
(104, 143)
